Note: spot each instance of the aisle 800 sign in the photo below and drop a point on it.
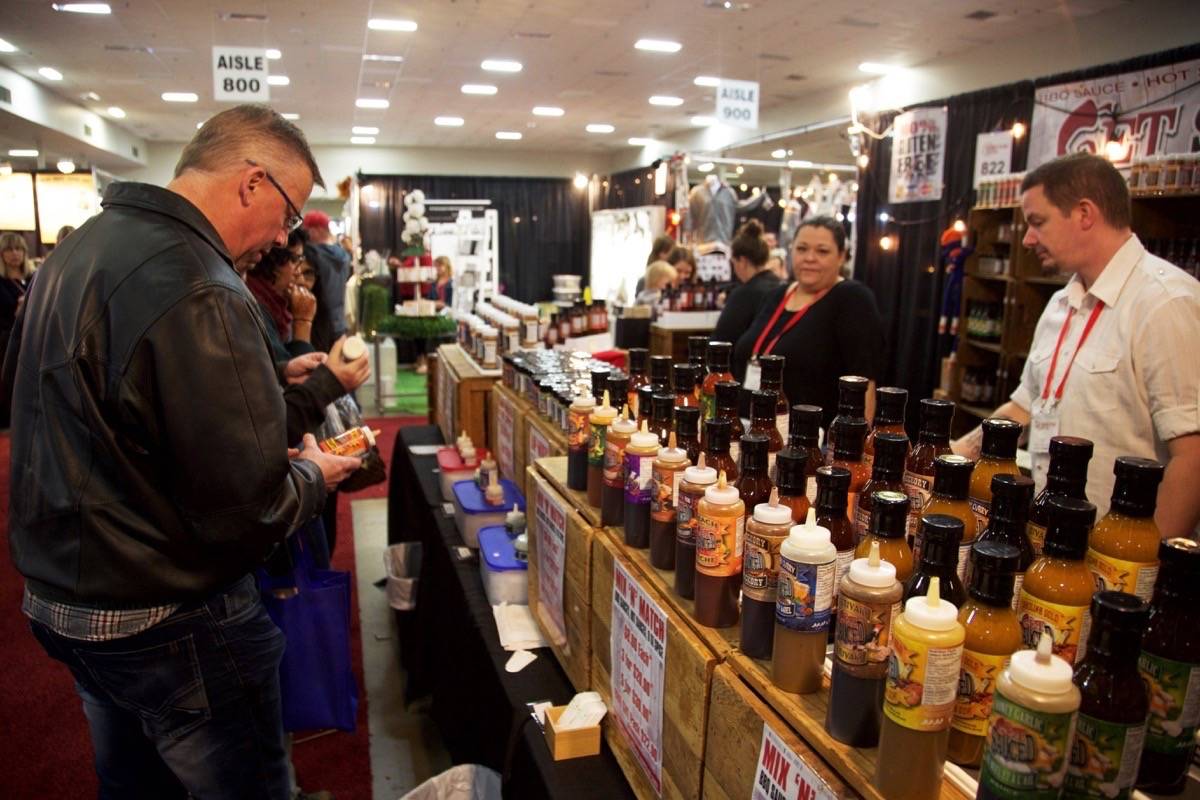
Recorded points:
(240, 74)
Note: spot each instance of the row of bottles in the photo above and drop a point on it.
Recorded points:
(978, 386)
(695, 296)
(985, 321)
(1183, 253)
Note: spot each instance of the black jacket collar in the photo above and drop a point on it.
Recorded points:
(164, 201)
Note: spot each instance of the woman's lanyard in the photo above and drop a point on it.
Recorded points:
(791, 323)
(1087, 329)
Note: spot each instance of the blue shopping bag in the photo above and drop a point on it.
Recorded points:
(317, 684)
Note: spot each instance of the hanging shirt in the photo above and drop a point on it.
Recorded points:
(1135, 383)
(711, 216)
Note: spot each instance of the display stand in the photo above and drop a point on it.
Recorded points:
(507, 430)
(463, 394)
(673, 341)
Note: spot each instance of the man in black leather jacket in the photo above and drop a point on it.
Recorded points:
(151, 470)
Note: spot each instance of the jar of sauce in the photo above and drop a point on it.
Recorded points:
(848, 453)
(719, 356)
(612, 496)
(999, 457)
(889, 521)
(887, 475)
(804, 433)
(719, 541)
(601, 417)
(939, 559)
(727, 409)
(793, 485)
(933, 440)
(1123, 551)
(766, 528)
(691, 491)
(716, 447)
(639, 475)
(686, 377)
(753, 484)
(890, 404)
(852, 404)
(668, 470)
(803, 608)
(687, 430)
(951, 483)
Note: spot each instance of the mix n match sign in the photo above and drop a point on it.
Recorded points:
(783, 775)
(639, 665)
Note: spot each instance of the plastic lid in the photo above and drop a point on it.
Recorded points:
(805, 421)
(931, 612)
(1000, 436)
(369, 434)
(873, 571)
(353, 348)
(584, 402)
(762, 405)
(771, 513)
(700, 474)
(498, 550)
(936, 416)
(952, 475)
(604, 413)
(672, 454)
(623, 424)
(809, 543)
(849, 436)
(661, 405)
(772, 367)
(722, 493)
(1068, 526)
(644, 439)
(1040, 670)
(684, 375)
(727, 394)
(890, 402)
(687, 419)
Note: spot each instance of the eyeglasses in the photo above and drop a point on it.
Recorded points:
(295, 258)
(294, 219)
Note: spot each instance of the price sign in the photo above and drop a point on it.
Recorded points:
(240, 75)
(539, 445)
(551, 518)
(993, 155)
(737, 103)
(638, 646)
(505, 422)
(783, 775)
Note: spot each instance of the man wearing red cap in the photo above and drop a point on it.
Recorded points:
(332, 263)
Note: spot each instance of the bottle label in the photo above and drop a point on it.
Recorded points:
(1025, 757)
(919, 489)
(577, 431)
(708, 405)
(805, 599)
(719, 544)
(1174, 703)
(1131, 577)
(631, 402)
(868, 461)
(597, 445)
(964, 561)
(760, 567)
(639, 475)
(976, 690)
(663, 492)
(1104, 758)
(614, 463)
(686, 520)
(982, 509)
(864, 631)
(1018, 583)
(782, 423)
(862, 521)
(844, 558)
(922, 684)
(1065, 624)
(810, 491)
(1037, 537)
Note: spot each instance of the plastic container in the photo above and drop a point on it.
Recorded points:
(804, 606)
(472, 512)
(452, 468)
(505, 577)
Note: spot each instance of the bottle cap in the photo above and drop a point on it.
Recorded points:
(952, 476)
(849, 436)
(600, 381)
(771, 512)
(993, 572)
(1040, 670)
(643, 439)
(941, 535)
(700, 474)
(660, 373)
(873, 571)
(754, 452)
(936, 416)
(889, 515)
(696, 347)
(727, 394)
(931, 612)
(891, 449)
(722, 493)
(687, 420)
(685, 377)
(1118, 622)
(637, 360)
(672, 454)
(645, 399)
(804, 421)
(660, 407)
(1135, 492)
(852, 395)
(833, 487)
(1011, 496)
(718, 356)
(584, 402)
(1000, 437)
(353, 348)
(716, 434)
(762, 405)
(1068, 525)
(771, 369)
(1069, 457)
(809, 542)
(890, 403)
(623, 424)
(618, 387)
(789, 468)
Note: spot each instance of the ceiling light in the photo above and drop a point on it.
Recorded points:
(66, 166)
(200, 124)
(50, 74)
(581, 180)
(23, 153)
(383, 24)
(5, 168)
(658, 45)
(377, 57)
(510, 136)
(1114, 150)
(780, 153)
(478, 88)
(959, 226)
(274, 54)
(362, 140)
(1018, 130)
(875, 68)
(703, 121)
(116, 112)
(278, 80)
(547, 111)
(290, 116)
(743, 187)
(800, 164)
(371, 102)
(639, 141)
(863, 161)
(7, 47)
(884, 217)
(501, 65)
(448, 122)
(83, 8)
(180, 97)
(599, 127)
(665, 100)
(364, 130)
(707, 80)
(886, 242)
(740, 169)
(707, 166)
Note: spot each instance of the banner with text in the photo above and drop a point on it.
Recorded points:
(551, 518)
(240, 75)
(737, 103)
(918, 156)
(638, 648)
(1151, 112)
(783, 775)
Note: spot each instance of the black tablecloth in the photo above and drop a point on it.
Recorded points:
(451, 651)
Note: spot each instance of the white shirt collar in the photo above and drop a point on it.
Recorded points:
(1113, 277)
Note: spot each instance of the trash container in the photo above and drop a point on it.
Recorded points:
(403, 565)
(464, 782)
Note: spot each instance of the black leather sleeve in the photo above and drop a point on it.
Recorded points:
(8, 364)
(306, 402)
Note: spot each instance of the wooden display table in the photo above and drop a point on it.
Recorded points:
(673, 341)
(463, 394)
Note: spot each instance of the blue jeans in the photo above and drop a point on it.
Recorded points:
(190, 706)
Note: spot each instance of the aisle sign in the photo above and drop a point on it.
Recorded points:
(240, 75)
(539, 445)
(918, 156)
(783, 775)
(638, 648)
(505, 422)
(1151, 112)
(551, 519)
(737, 103)
(993, 155)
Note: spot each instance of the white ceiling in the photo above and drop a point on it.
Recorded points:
(577, 54)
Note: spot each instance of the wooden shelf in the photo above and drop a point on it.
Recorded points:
(999, 278)
(554, 470)
(991, 347)
(1050, 280)
(979, 411)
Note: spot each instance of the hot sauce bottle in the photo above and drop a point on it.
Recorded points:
(727, 408)
(618, 390)
(803, 607)
(1058, 588)
(668, 468)
(645, 400)
(687, 430)
(601, 417)
(639, 476)
(951, 482)
(753, 484)
(685, 376)
(848, 455)
(719, 355)
(868, 602)
(833, 483)
(766, 528)
(939, 559)
(918, 706)
(1111, 728)
(1067, 477)
(1011, 495)
(789, 466)
(1123, 551)
(888, 523)
(578, 434)
(804, 431)
(600, 383)
(993, 635)
(691, 491)
(999, 458)
(638, 357)
(886, 476)
(762, 422)
(661, 422)
(933, 440)
(716, 447)
(660, 373)
(852, 404)
(890, 405)
(771, 380)
(1170, 665)
(719, 541)
(612, 496)
(697, 345)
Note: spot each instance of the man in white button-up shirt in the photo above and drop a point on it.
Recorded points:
(1116, 354)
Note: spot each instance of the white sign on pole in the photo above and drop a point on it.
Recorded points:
(993, 155)
(638, 648)
(240, 75)
(783, 775)
(918, 155)
(551, 519)
(737, 103)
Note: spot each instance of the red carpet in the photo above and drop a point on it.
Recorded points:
(45, 745)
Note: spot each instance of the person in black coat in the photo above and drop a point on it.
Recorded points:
(749, 257)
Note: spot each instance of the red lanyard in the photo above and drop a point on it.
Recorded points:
(1087, 329)
(791, 323)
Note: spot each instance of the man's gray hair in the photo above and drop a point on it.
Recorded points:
(245, 132)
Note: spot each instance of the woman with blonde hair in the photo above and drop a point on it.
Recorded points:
(13, 284)
(659, 275)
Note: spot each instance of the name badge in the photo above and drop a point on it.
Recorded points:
(753, 377)
(1043, 426)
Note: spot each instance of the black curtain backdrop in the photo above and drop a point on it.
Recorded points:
(632, 188)
(545, 228)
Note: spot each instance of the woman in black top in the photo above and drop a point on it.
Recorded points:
(749, 253)
(840, 333)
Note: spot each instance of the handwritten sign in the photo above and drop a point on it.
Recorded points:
(737, 103)
(783, 775)
(240, 75)
(918, 155)
(639, 664)
(505, 423)
(539, 445)
(993, 155)
(551, 518)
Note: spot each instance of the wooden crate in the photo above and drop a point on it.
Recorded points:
(463, 394)
(688, 672)
(572, 646)
(508, 433)
(736, 717)
(555, 471)
(673, 341)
